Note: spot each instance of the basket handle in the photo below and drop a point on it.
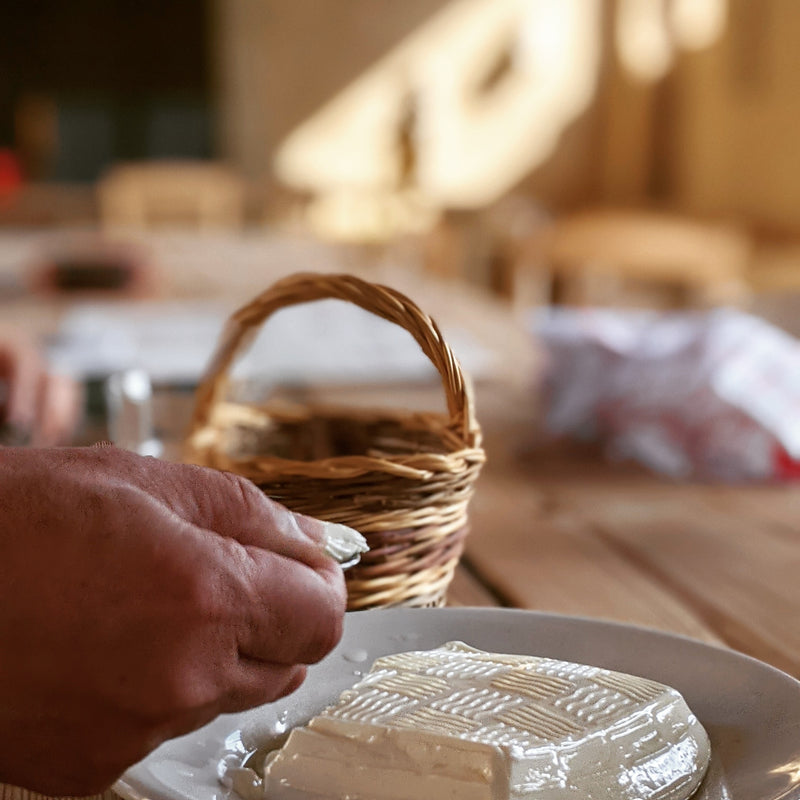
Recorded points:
(382, 301)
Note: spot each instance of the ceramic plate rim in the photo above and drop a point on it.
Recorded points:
(567, 636)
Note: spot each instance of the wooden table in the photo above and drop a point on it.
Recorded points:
(556, 527)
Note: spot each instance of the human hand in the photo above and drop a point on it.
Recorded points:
(140, 599)
(37, 406)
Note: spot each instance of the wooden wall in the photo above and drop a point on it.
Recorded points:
(279, 60)
(736, 121)
(716, 137)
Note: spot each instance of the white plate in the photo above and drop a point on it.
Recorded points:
(750, 710)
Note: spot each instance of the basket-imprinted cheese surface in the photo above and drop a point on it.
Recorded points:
(460, 722)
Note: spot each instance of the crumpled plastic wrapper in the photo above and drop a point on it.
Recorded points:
(711, 395)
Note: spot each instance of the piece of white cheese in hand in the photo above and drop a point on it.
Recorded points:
(344, 544)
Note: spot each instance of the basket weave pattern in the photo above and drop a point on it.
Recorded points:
(402, 479)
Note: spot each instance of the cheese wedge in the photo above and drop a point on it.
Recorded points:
(460, 723)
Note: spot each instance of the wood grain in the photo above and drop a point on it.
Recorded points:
(555, 561)
(710, 561)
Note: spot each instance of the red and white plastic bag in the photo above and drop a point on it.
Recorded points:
(695, 394)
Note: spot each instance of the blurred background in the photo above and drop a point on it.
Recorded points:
(583, 152)
(470, 123)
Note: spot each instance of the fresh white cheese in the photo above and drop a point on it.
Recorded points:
(344, 544)
(460, 723)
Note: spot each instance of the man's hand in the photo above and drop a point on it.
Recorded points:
(139, 600)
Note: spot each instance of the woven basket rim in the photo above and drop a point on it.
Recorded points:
(421, 466)
(263, 413)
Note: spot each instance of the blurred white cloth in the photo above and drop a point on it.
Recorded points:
(690, 394)
(326, 341)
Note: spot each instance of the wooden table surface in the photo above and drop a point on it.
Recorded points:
(555, 527)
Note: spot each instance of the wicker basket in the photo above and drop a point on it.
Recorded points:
(403, 479)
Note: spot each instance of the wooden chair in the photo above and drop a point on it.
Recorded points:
(157, 193)
(609, 257)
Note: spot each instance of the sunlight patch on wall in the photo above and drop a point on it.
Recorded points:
(648, 32)
(453, 117)
(698, 23)
(470, 104)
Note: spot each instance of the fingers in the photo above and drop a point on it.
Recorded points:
(57, 406)
(250, 684)
(269, 581)
(44, 405)
(295, 614)
(21, 368)
(280, 610)
(254, 683)
(277, 591)
(230, 506)
(234, 507)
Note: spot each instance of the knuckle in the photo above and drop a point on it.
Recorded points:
(187, 692)
(243, 490)
(197, 586)
(292, 681)
(180, 693)
(196, 581)
(326, 633)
